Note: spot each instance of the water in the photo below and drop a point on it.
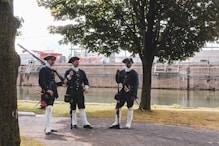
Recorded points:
(196, 98)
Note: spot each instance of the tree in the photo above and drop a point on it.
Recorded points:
(168, 29)
(9, 62)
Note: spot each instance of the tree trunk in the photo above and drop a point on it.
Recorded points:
(149, 45)
(146, 85)
(9, 62)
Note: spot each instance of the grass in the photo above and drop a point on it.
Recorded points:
(175, 115)
(27, 141)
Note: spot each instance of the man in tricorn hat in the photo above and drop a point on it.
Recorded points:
(128, 77)
(77, 84)
(49, 90)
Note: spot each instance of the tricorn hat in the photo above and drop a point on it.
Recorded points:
(50, 57)
(127, 60)
(72, 59)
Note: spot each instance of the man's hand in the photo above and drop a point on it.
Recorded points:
(71, 73)
(65, 81)
(50, 92)
(40, 93)
(85, 90)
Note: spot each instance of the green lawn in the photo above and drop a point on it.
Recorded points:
(199, 117)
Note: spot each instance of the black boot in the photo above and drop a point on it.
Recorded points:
(88, 127)
(114, 127)
(53, 130)
(74, 126)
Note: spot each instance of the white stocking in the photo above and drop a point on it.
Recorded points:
(118, 117)
(48, 118)
(83, 117)
(74, 118)
(129, 117)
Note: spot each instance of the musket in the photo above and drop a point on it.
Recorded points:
(42, 62)
(60, 77)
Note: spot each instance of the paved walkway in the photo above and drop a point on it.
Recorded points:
(141, 134)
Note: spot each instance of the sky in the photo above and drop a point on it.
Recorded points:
(35, 35)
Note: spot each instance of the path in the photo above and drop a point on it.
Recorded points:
(141, 134)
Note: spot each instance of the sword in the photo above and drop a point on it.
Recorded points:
(139, 105)
(36, 104)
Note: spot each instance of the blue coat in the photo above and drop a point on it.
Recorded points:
(47, 80)
(128, 80)
(77, 82)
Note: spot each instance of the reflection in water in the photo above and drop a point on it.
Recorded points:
(196, 98)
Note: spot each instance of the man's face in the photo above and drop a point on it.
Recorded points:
(75, 63)
(51, 62)
(128, 64)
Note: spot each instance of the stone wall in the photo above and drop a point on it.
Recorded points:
(163, 77)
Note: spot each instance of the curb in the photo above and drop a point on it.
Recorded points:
(26, 114)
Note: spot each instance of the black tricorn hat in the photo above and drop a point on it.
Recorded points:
(50, 57)
(72, 59)
(127, 60)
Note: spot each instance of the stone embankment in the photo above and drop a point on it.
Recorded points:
(202, 76)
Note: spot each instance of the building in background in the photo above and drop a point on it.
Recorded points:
(28, 59)
(204, 56)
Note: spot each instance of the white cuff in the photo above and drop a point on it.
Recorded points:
(69, 77)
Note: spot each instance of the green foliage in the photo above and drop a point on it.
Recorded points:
(177, 106)
(171, 30)
(20, 21)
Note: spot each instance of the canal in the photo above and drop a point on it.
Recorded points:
(184, 98)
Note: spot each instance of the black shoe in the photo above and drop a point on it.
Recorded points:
(114, 127)
(74, 126)
(53, 130)
(88, 127)
(47, 133)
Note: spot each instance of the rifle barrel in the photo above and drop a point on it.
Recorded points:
(60, 77)
(42, 62)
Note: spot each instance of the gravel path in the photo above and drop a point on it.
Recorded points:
(141, 134)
